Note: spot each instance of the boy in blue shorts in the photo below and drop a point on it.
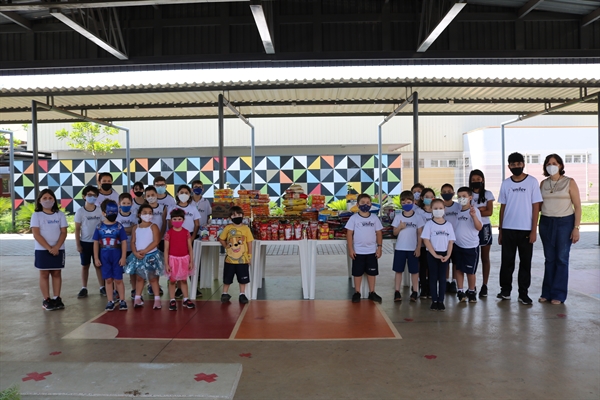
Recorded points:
(466, 247)
(408, 226)
(110, 252)
(365, 239)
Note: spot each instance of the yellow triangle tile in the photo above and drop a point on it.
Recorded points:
(132, 166)
(68, 164)
(316, 164)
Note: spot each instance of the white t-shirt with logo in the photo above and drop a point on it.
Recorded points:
(113, 196)
(451, 213)
(168, 201)
(157, 215)
(467, 236)
(135, 207)
(365, 232)
(408, 237)
(438, 234)
(204, 208)
(191, 215)
(518, 199)
(88, 220)
(488, 196)
(50, 225)
(128, 221)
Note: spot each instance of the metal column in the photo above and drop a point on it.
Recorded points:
(415, 101)
(252, 157)
(221, 135)
(598, 111)
(34, 140)
(238, 114)
(12, 174)
(379, 155)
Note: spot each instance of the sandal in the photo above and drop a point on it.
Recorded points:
(556, 302)
(542, 300)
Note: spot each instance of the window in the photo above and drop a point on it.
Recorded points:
(533, 159)
(421, 163)
(407, 163)
(452, 163)
(434, 163)
(576, 159)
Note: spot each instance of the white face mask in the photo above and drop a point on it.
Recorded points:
(552, 169)
(417, 195)
(151, 200)
(437, 213)
(183, 197)
(463, 201)
(146, 217)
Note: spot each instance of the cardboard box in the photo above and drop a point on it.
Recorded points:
(220, 210)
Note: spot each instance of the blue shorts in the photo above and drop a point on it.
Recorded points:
(401, 257)
(365, 264)
(485, 235)
(466, 259)
(87, 255)
(46, 261)
(110, 264)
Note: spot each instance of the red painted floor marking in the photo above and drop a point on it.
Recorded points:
(561, 315)
(249, 355)
(36, 377)
(430, 357)
(204, 377)
(408, 319)
(55, 353)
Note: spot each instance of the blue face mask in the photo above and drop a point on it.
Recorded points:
(125, 209)
(427, 202)
(364, 207)
(447, 196)
(198, 191)
(407, 207)
(91, 199)
(161, 189)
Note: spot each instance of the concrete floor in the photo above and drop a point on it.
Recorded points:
(491, 349)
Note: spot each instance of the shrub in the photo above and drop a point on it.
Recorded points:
(23, 217)
(5, 205)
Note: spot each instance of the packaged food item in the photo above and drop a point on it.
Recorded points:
(281, 232)
(313, 230)
(275, 230)
(213, 233)
(264, 230)
(288, 232)
(298, 230)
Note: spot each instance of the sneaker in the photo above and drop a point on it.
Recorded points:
(483, 291)
(110, 306)
(225, 297)
(434, 306)
(58, 304)
(356, 297)
(375, 297)
(472, 296)
(103, 291)
(138, 305)
(150, 291)
(503, 296)
(48, 304)
(451, 287)
(441, 306)
(178, 294)
(243, 299)
(116, 296)
(423, 293)
(122, 305)
(189, 304)
(82, 293)
(523, 298)
(157, 305)
(172, 305)
(414, 296)
(462, 297)
(198, 293)
(397, 296)
(132, 294)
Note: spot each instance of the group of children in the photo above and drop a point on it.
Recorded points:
(430, 232)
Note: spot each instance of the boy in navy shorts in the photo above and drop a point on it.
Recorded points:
(365, 239)
(110, 252)
(408, 226)
(237, 240)
(466, 247)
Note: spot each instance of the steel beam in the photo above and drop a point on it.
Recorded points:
(11, 163)
(71, 5)
(112, 48)
(221, 143)
(260, 19)
(591, 17)
(441, 26)
(17, 19)
(252, 142)
(415, 137)
(529, 7)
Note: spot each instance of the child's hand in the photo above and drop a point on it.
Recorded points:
(378, 252)
(191, 266)
(402, 225)
(54, 250)
(418, 252)
(142, 253)
(123, 261)
(167, 268)
(472, 212)
(97, 262)
(352, 254)
(445, 258)
(79, 248)
(138, 255)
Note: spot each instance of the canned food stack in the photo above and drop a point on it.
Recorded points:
(294, 201)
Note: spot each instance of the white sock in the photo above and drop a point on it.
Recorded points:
(156, 297)
(185, 299)
(138, 297)
(172, 299)
(461, 290)
(242, 293)
(83, 287)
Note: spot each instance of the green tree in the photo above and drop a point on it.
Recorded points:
(91, 138)
(5, 140)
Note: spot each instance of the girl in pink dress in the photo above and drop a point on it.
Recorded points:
(178, 258)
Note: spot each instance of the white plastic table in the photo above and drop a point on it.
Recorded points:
(259, 258)
(206, 256)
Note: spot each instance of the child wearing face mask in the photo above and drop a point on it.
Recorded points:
(416, 190)
(424, 211)
(49, 227)
(237, 240)
(201, 204)
(86, 220)
(191, 214)
(128, 219)
(407, 227)
(452, 209)
(439, 238)
(110, 252)
(163, 197)
(105, 189)
(145, 261)
(365, 241)
(179, 263)
(466, 248)
(159, 215)
(137, 198)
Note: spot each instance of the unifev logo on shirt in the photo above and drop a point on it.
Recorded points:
(451, 213)
(157, 212)
(93, 217)
(367, 223)
(52, 221)
(463, 218)
(438, 233)
(519, 189)
(410, 225)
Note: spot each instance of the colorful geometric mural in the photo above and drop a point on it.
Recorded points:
(327, 174)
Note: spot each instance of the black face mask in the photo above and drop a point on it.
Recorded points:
(447, 196)
(237, 220)
(476, 185)
(106, 186)
(516, 171)
(111, 217)
(138, 194)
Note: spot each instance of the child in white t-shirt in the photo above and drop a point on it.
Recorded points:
(439, 238)
(365, 238)
(128, 218)
(424, 210)
(408, 226)
(466, 247)
(49, 227)
(451, 214)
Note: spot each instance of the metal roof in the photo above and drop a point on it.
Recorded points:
(302, 98)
